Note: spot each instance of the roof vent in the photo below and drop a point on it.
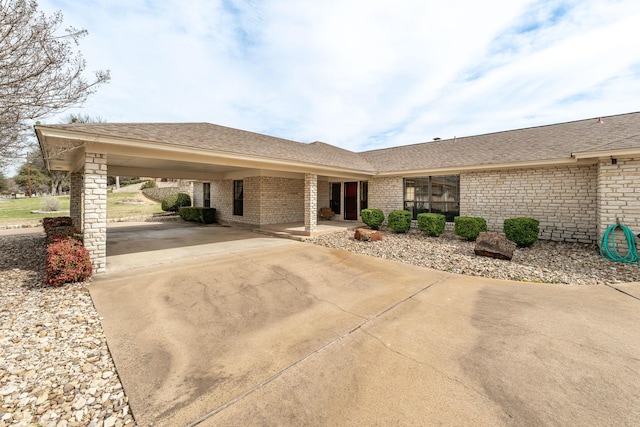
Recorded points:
(437, 138)
(600, 120)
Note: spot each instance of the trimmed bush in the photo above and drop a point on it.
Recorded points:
(57, 228)
(372, 217)
(67, 261)
(399, 221)
(148, 184)
(59, 233)
(469, 227)
(432, 224)
(56, 221)
(175, 201)
(203, 215)
(522, 231)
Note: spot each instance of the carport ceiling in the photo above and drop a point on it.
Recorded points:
(162, 168)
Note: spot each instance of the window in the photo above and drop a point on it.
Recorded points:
(364, 195)
(238, 197)
(206, 194)
(438, 194)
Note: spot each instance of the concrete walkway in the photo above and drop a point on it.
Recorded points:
(278, 332)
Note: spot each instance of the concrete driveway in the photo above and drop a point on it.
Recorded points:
(288, 333)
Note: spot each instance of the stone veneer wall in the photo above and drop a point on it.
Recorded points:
(386, 194)
(619, 194)
(562, 198)
(94, 221)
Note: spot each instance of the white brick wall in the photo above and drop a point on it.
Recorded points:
(386, 194)
(198, 195)
(324, 193)
(267, 200)
(281, 200)
(619, 194)
(563, 199)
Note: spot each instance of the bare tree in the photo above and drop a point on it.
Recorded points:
(41, 72)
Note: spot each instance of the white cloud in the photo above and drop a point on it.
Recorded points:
(361, 74)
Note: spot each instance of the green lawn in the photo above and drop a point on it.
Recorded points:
(18, 211)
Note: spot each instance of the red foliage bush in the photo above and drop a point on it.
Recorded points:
(67, 261)
(59, 233)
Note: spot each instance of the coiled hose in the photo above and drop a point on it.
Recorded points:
(609, 250)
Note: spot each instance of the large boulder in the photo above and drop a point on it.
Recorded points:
(367, 235)
(494, 245)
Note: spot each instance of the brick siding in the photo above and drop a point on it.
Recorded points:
(563, 199)
(386, 194)
(619, 194)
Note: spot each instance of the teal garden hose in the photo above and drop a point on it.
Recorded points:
(609, 250)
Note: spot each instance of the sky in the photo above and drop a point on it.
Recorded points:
(359, 74)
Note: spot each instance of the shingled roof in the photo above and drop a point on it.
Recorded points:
(224, 139)
(535, 144)
(530, 145)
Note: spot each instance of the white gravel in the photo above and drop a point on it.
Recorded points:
(55, 367)
(544, 261)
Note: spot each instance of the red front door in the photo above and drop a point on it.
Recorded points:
(351, 200)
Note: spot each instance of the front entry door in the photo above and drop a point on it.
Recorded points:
(351, 200)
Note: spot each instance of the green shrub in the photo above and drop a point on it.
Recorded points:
(431, 224)
(372, 217)
(469, 227)
(175, 201)
(522, 231)
(203, 215)
(67, 261)
(148, 184)
(400, 221)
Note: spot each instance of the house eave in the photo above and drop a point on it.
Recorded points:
(453, 170)
(119, 145)
(601, 154)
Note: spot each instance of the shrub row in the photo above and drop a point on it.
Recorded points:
(67, 258)
(469, 227)
(175, 201)
(193, 214)
(148, 184)
(67, 261)
(432, 224)
(372, 217)
(521, 231)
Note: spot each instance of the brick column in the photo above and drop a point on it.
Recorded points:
(310, 203)
(95, 209)
(75, 200)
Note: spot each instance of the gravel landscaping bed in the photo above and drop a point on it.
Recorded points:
(544, 261)
(55, 367)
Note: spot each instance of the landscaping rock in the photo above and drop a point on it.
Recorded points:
(367, 235)
(494, 245)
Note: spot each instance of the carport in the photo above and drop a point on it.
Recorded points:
(195, 151)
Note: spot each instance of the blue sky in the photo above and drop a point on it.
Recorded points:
(360, 74)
